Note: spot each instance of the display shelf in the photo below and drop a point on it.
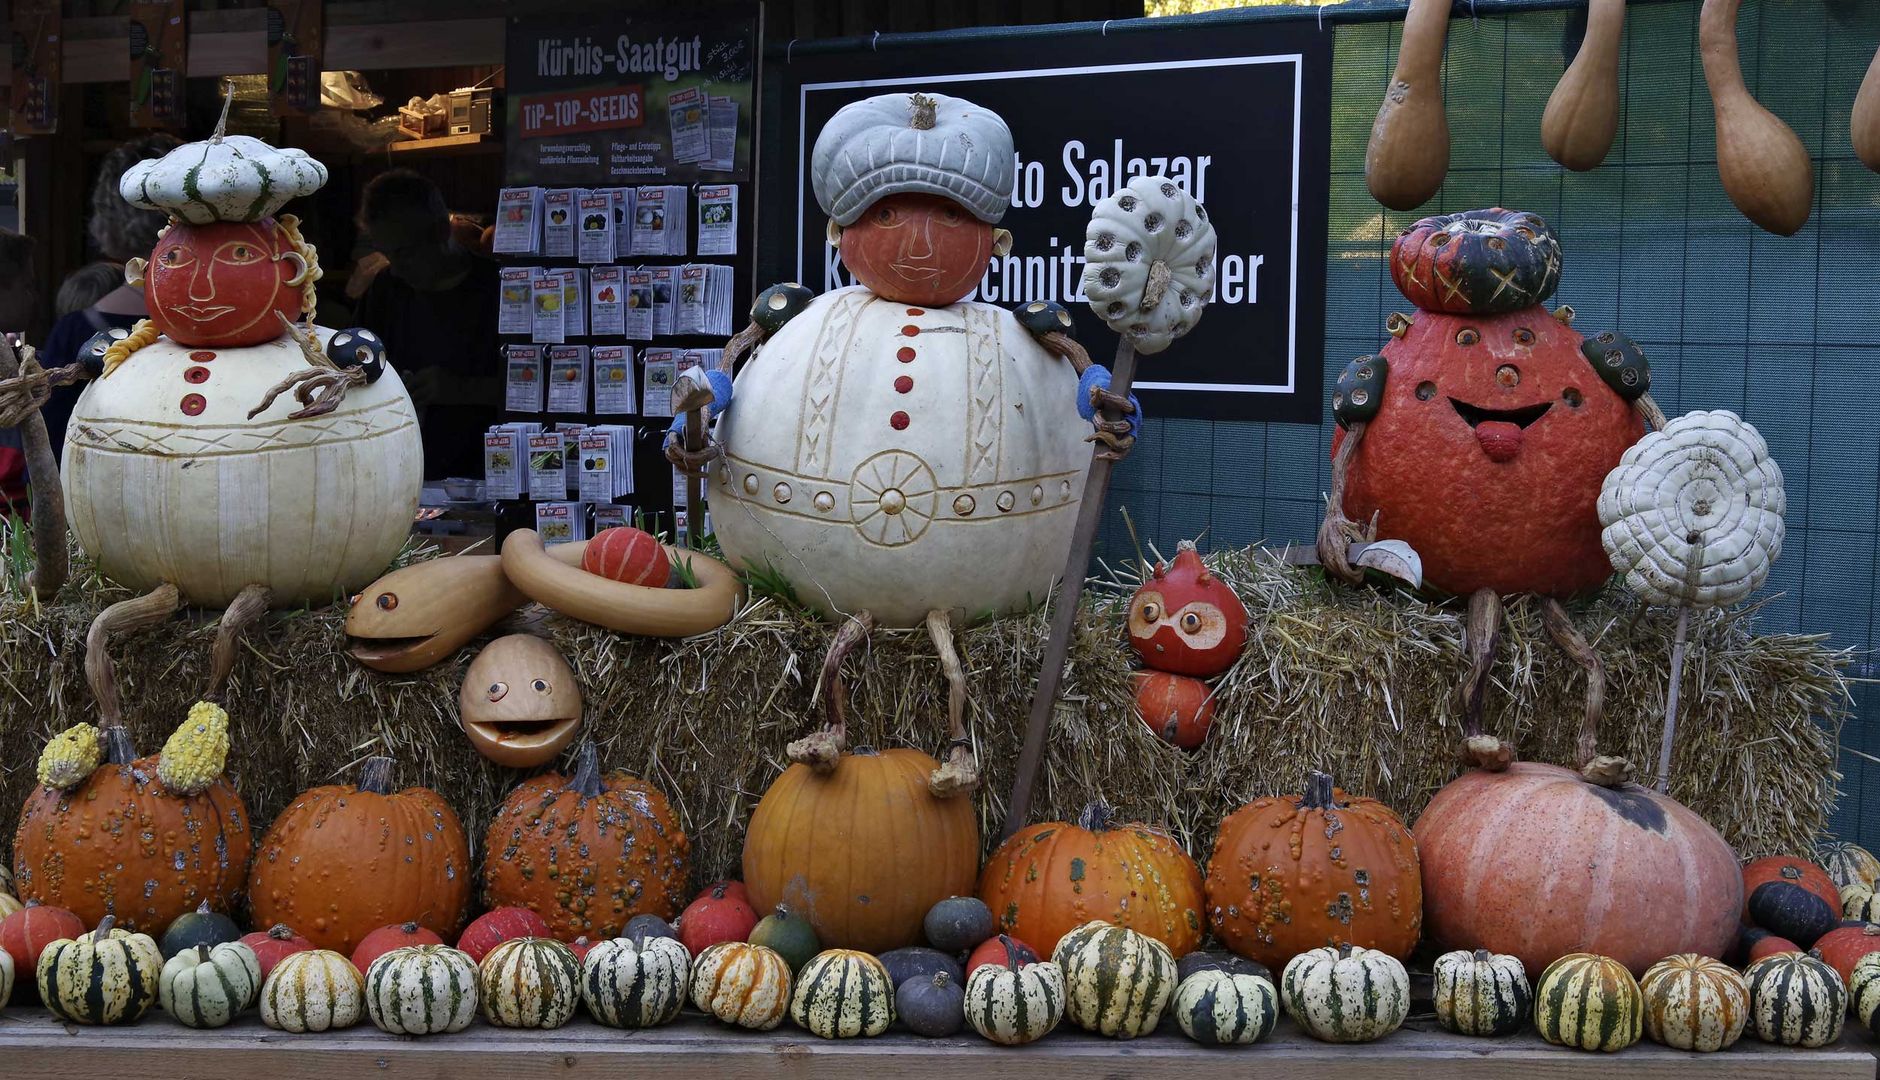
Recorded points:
(481, 143)
(34, 1044)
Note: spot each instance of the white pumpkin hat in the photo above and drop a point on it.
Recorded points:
(897, 143)
(224, 178)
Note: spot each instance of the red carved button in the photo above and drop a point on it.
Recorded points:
(903, 384)
(916, 311)
(196, 375)
(193, 404)
(899, 421)
(905, 356)
(202, 356)
(909, 330)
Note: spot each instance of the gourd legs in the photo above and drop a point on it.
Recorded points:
(819, 750)
(242, 613)
(1580, 651)
(1480, 638)
(123, 617)
(960, 774)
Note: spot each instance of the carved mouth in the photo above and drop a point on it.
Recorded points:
(523, 732)
(202, 312)
(1474, 415)
(910, 270)
(380, 650)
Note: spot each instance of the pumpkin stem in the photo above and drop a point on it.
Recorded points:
(202, 954)
(587, 771)
(1096, 816)
(375, 776)
(202, 908)
(1011, 952)
(1318, 795)
(228, 102)
(104, 928)
(941, 978)
(409, 928)
(280, 931)
(118, 748)
(922, 108)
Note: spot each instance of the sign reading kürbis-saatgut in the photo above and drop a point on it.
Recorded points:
(1239, 116)
(614, 101)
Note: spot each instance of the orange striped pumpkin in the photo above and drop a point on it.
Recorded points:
(742, 984)
(629, 555)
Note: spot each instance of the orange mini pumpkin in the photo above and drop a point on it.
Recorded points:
(587, 853)
(342, 861)
(1296, 872)
(1047, 880)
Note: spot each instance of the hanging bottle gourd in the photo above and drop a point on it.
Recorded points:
(1582, 116)
(1864, 121)
(1765, 169)
(1408, 155)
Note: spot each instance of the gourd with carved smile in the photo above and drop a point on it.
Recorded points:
(222, 284)
(520, 704)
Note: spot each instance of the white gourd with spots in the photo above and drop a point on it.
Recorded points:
(1346, 994)
(1149, 262)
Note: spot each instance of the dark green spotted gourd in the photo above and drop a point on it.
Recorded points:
(199, 927)
(778, 305)
(1481, 993)
(843, 994)
(789, 934)
(1217, 1008)
(1117, 981)
(635, 981)
(422, 990)
(107, 976)
(1359, 392)
(1345, 993)
(1795, 1000)
(529, 983)
(1589, 1002)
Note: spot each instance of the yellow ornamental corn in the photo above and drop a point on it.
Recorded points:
(196, 752)
(70, 757)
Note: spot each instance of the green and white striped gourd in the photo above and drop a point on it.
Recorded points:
(842, 994)
(1222, 1009)
(1795, 1000)
(6, 977)
(312, 991)
(9, 903)
(1848, 864)
(742, 984)
(1694, 1002)
(530, 983)
(1117, 982)
(1345, 993)
(223, 178)
(1481, 993)
(1863, 990)
(106, 976)
(1013, 1004)
(636, 981)
(1589, 1002)
(422, 990)
(6, 879)
(208, 986)
(1859, 902)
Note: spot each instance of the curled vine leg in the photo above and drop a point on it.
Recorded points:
(242, 613)
(1568, 637)
(123, 617)
(1481, 638)
(819, 750)
(960, 773)
(1337, 533)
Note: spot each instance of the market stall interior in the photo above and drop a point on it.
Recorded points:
(1394, 572)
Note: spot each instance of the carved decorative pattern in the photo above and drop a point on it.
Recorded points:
(822, 385)
(984, 426)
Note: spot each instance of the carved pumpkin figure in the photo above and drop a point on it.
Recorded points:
(521, 703)
(225, 285)
(1185, 620)
(918, 249)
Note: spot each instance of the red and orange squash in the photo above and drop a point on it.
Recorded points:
(716, 916)
(1180, 710)
(498, 925)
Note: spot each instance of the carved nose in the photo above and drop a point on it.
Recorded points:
(198, 279)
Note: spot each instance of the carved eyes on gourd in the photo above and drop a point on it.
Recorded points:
(1508, 375)
(540, 686)
(387, 601)
(1523, 336)
(1468, 335)
(1571, 395)
(1191, 623)
(1426, 390)
(1151, 612)
(497, 690)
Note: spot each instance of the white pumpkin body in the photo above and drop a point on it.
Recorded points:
(948, 481)
(200, 496)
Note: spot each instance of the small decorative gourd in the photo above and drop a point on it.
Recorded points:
(1795, 1000)
(25, 933)
(529, 983)
(1858, 902)
(9, 904)
(1847, 863)
(1843, 947)
(920, 962)
(742, 984)
(959, 924)
(6, 977)
(208, 986)
(498, 925)
(387, 938)
(788, 933)
(1764, 165)
(422, 990)
(1117, 980)
(995, 952)
(107, 976)
(196, 752)
(70, 757)
(934, 1007)
(312, 991)
(273, 945)
(1150, 262)
(1408, 155)
(232, 178)
(635, 981)
(651, 926)
(1694, 1002)
(842, 994)
(1589, 1002)
(199, 927)
(1185, 620)
(1220, 1009)
(1217, 960)
(1481, 993)
(1863, 991)
(717, 915)
(1346, 994)
(1013, 1002)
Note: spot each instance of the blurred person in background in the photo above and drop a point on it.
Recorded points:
(19, 297)
(86, 286)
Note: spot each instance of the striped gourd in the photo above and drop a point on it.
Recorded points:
(1117, 981)
(1014, 1004)
(842, 994)
(1222, 1009)
(422, 990)
(1848, 864)
(1694, 1002)
(1863, 990)
(107, 976)
(315, 990)
(6, 977)
(6, 879)
(743, 984)
(1858, 902)
(1481, 993)
(1795, 1000)
(1589, 1002)
(530, 982)
(635, 982)
(9, 903)
(1345, 993)
(208, 986)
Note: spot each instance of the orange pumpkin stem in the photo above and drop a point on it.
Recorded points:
(375, 776)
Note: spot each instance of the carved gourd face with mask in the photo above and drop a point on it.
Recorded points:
(222, 284)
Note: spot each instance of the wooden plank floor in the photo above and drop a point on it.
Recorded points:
(33, 1044)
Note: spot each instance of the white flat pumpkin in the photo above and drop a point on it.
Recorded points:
(1149, 262)
(223, 178)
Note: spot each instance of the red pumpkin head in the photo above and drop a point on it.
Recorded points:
(915, 248)
(1186, 620)
(220, 285)
(274, 945)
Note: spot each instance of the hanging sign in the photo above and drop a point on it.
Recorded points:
(38, 60)
(296, 33)
(1238, 116)
(159, 44)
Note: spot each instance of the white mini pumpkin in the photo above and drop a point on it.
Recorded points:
(635, 982)
(1481, 993)
(1118, 981)
(6, 977)
(1149, 262)
(529, 983)
(1013, 1004)
(422, 990)
(312, 991)
(224, 178)
(1346, 994)
(1795, 1000)
(1220, 1008)
(208, 987)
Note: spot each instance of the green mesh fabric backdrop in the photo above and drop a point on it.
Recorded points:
(1782, 330)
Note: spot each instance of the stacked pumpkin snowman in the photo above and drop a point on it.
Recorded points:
(1186, 625)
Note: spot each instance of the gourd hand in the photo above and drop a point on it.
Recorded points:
(1094, 399)
(1337, 534)
(693, 463)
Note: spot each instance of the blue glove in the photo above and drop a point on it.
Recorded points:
(721, 400)
(1097, 377)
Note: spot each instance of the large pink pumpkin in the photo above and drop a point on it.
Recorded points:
(1537, 862)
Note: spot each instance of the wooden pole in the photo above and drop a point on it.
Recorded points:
(1064, 612)
(1671, 700)
(690, 397)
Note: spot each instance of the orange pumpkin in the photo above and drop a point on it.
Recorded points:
(1795, 871)
(1842, 948)
(1296, 872)
(1180, 710)
(861, 851)
(342, 861)
(918, 248)
(1047, 880)
(588, 853)
(120, 843)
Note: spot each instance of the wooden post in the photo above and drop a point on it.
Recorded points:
(690, 396)
(1064, 611)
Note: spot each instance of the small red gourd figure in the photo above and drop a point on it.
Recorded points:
(1481, 433)
(1185, 620)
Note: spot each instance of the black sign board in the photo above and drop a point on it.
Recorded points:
(1240, 115)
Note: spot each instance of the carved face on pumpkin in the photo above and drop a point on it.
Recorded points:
(220, 285)
(520, 702)
(916, 248)
(1185, 620)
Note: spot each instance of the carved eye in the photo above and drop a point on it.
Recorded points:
(884, 215)
(1467, 336)
(496, 691)
(1426, 390)
(387, 601)
(1151, 612)
(1191, 623)
(1523, 336)
(1508, 375)
(1572, 396)
(539, 686)
(950, 215)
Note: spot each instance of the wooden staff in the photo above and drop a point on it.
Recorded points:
(690, 396)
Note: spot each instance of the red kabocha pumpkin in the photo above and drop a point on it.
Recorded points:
(223, 285)
(496, 926)
(587, 853)
(627, 554)
(1047, 880)
(1790, 870)
(1842, 948)
(1292, 873)
(1180, 710)
(1790, 897)
(993, 951)
(275, 944)
(916, 248)
(1185, 620)
(342, 861)
(1506, 858)
(1770, 945)
(716, 916)
(386, 938)
(25, 934)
